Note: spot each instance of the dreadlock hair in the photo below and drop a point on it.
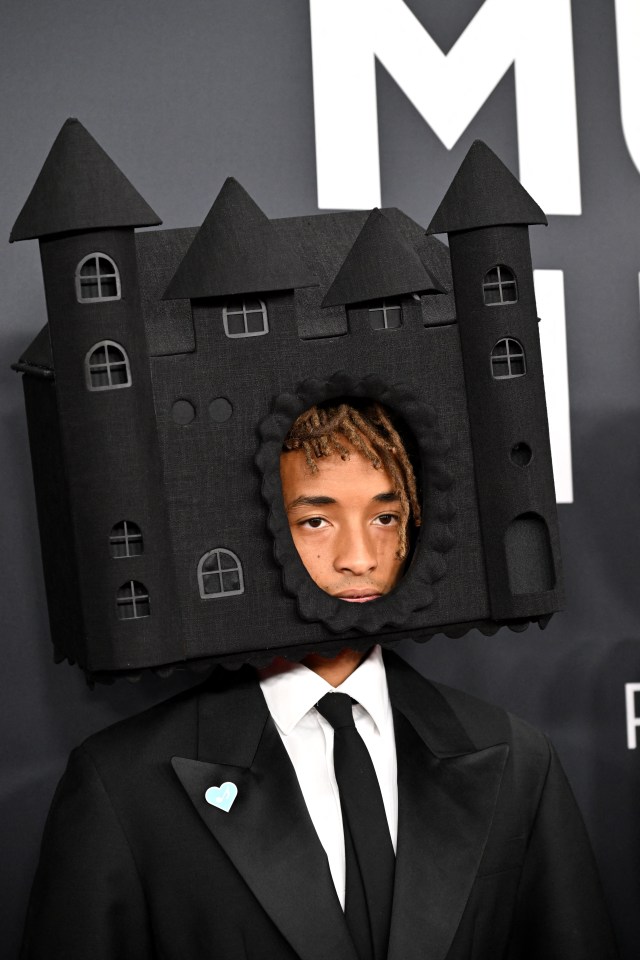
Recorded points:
(322, 429)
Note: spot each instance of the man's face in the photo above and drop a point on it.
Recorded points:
(344, 520)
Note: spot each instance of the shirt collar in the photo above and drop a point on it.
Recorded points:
(368, 685)
(292, 689)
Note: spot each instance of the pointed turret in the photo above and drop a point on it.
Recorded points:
(487, 216)
(380, 264)
(484, 193)
(88, 387)
(237, 250)
(80, 188)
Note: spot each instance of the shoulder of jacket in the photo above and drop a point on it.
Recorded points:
(488, 724)
(167, 729)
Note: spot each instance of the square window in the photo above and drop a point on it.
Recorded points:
(385, 316)
(245, 318)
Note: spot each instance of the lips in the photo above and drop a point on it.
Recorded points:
(352, 596)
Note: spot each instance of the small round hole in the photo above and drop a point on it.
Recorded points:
(183, 412)
(521, 454)
(220, 410)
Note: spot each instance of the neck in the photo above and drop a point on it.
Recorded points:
(335, 669)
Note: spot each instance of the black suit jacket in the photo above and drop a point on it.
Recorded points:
(492, 858)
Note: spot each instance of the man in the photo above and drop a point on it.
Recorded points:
(211, 825)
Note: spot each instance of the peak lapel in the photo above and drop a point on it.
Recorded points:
(445, 809)
(267, 833)
(447, 792)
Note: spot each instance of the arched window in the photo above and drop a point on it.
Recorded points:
(220, 574)
(385, 315)
(508, 360)
(106, 367)
(97, 279)
(132, 601)
(499, 287)
(125, 540)
(245, 318)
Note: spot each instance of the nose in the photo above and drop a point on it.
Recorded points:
(355, 551)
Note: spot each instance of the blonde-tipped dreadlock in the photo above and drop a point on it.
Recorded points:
(320, 432)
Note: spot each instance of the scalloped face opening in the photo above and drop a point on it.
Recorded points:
(401, 587)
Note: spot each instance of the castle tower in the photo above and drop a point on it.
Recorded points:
(101, 504)
(486, 214)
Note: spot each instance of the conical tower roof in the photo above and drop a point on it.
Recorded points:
(484, 193)
(237, 250)
(80, 188)
(380, 264)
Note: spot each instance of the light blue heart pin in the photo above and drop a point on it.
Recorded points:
(223, 796)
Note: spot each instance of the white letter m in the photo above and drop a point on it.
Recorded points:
(447, 90)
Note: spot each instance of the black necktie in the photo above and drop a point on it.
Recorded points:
(370, 860)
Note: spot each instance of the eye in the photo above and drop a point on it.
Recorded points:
(387, 519)
(313, 523)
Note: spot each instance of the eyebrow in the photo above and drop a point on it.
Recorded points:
(320, 501)
(310, 502)
(390, 497)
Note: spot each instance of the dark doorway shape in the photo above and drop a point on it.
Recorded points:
(529, 557)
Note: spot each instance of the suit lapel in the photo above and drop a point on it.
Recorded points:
(447, 791)
(267, 833)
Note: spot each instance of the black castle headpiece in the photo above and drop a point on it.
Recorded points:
(174, 362)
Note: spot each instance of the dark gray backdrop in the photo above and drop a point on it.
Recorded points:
(183, 95)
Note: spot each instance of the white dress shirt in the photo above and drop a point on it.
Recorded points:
(291, 694)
